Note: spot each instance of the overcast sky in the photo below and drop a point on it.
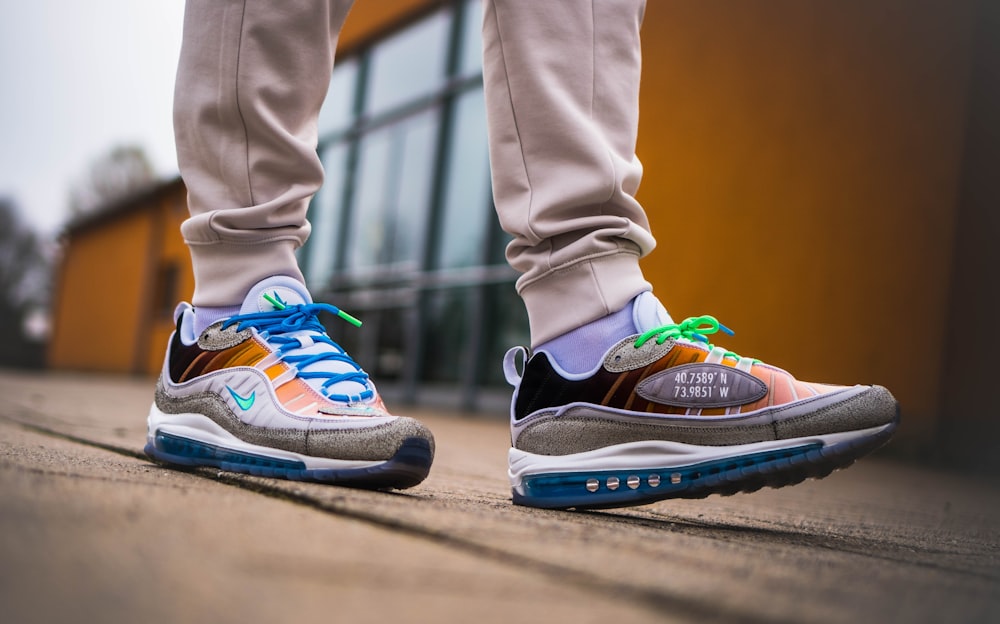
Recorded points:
(76, 79)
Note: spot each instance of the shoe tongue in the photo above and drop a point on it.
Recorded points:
(284, 290)
(288, 291)
(648, 313)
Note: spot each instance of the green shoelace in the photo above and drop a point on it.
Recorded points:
(695, 328)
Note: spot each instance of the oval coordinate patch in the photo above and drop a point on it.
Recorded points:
(702, 386)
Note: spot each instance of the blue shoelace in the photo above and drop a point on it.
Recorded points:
(283, 326)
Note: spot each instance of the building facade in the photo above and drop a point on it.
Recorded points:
(819, 176)
(403, 230)
(122, 271)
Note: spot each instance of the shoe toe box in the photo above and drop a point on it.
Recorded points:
(368, 443)
(870, 406)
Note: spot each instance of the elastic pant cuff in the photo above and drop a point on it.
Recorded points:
(585, 291)
(225, 273)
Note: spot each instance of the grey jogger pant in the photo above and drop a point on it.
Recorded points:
(561, 83)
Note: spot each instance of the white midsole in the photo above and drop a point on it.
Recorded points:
(201, 428)
(656, 454)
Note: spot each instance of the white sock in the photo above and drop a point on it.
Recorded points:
(582, 349)
(205, 316)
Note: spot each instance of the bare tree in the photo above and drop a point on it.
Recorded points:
(25, 284)
(112, 176)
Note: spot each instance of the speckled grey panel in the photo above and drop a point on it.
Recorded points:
(625, 357)
(872, 408)
(586, 428)
(375, 443)
(214, 338)
(563, 435)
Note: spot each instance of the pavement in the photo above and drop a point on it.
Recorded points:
(92, 531)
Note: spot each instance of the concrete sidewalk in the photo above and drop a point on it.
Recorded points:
(91, 531)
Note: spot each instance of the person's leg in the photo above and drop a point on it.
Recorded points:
(618, 405)
(562, 93)
(251, 382)
(251, 79)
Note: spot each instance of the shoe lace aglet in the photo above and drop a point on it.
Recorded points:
(275, 301)
(347, 317)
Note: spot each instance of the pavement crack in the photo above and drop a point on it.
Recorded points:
(658, 601)
(661, 600)
(65, 474)
(121, 450)
(844, 544)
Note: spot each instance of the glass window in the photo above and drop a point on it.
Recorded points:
(372, 217)
(499, 242)
(419, 151)
(467, 203)
(338, 108)
(471, 61)
(373, 194)
(325, 217)
(167, 292)
(506, 325)
(390, 345)
(349, 337)
(410, 64)
(380, 344)
(446, 330)
(392, 208)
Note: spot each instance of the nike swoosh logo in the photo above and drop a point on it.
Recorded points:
(245, 403)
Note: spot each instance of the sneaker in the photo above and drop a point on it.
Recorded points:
(268, 393)
(667, 415)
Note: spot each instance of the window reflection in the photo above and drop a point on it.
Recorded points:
(467, 187)
(367, 238)
(415, 181)
(507, 324)
(391, 209)
(423, 323)
(338, 108)
(410, 64)
(471, 61)
(325, 217)
(446, 329)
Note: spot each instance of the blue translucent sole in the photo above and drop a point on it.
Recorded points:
(742, 473)
(408, 467)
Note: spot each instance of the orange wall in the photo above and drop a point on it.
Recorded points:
(366, 19)
(171, 248)
(107, 287)
(96, 315)
(802, 165)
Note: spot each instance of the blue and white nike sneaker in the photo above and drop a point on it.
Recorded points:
(268, 393)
